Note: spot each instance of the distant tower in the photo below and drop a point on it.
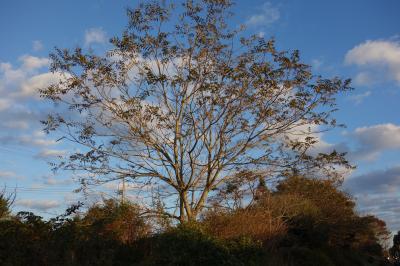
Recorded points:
(123, 190)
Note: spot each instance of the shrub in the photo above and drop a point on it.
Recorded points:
(190, 245)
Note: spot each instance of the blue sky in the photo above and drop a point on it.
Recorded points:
(357, 39)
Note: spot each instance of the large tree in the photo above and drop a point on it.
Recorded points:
(182, 103)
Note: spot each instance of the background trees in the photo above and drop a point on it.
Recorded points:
(394, 251)
(183, 102)
(287, 226)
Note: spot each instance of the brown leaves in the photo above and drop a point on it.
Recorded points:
(188, 103)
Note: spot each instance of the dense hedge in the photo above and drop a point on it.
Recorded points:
(302, 222)
(23, 244)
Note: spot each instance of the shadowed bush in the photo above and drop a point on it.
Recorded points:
(189, 245)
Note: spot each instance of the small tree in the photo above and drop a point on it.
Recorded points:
(181, 103)
(121, 221)
(6, 201)
(330, 216)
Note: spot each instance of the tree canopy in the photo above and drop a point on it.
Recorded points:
(183, 102)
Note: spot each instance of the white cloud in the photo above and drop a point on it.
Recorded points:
(9, 75)
(19, 93)
(50, 153)
(381, 181)
(15, 124)
(374, 140)
(316, 63)
(36, 139)
(31, 86)
(268, 15)
(24, 80)
(41, 205)
(18, 116)
(359, 98)
(19, 101)
(367, 143)
(30, 63)
(52, 180)
(374, 52)
(37, 45)
(365, 78)
(95, 35)
(20, 112)
(378, 59)
(117, 185)
(301, 132)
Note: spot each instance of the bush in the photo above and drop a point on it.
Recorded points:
(24, 241)
(302, 256)
(189, 245)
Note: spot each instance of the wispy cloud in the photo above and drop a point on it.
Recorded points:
(34, 139)
(41, 205)
(15, 124)
(7, 174)
(268, 15)
(4, 104)
(95, 35)
(37, 45)
(52, 180)
(50, 153)
(359, 98)
(316, 63)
